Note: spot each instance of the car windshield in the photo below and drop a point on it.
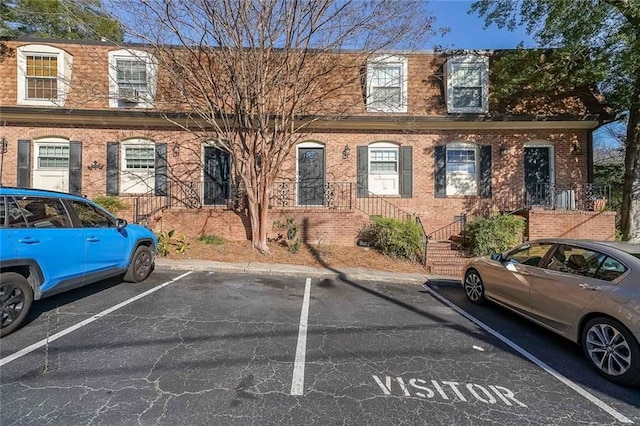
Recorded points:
(635, 255)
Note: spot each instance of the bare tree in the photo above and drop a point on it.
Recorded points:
(259, 74)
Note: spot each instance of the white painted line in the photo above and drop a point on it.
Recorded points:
(297, 381)
(66, 331)
(581, 391)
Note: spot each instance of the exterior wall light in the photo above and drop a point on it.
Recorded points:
(576, 149)
(346, 152)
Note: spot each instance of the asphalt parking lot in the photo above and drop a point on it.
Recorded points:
(203, 348)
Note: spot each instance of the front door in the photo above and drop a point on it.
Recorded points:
(217, 176)
(311, 176)
(537, 174)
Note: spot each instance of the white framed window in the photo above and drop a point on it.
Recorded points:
(383, 168)
(51, 163)
(52, 156)
(132, 79)
(44, 75)
(462, 165)
(467, 84)
(137, 171)
(387, 84)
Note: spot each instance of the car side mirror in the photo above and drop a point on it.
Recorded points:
(497, 256)
(121, 224)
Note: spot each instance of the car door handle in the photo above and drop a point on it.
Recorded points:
(93, 239)
(589, 287)
(28, 240)
(524, 273)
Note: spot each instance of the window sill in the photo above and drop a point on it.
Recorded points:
(41, 102)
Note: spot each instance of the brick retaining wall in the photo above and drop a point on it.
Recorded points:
(314, 227)
(571, 224)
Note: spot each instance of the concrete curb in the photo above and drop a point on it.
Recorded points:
(361, 274)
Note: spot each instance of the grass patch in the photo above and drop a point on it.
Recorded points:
(212, 240)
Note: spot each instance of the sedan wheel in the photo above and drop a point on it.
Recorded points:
(612, 350)
(15, 300)
(473, 287)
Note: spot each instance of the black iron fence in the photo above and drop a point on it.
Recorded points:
(556, 197)
(333, 195)
(567, 197)
(349, 195)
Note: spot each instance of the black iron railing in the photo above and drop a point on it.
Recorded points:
(349, 195)
(333, 195)
(566, 197)
(557, 197)
(189, 194)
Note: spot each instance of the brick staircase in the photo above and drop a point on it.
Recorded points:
(445, 258)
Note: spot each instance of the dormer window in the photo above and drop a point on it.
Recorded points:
(467, 84)
(132, 81)
(44, 74)
(387, 84)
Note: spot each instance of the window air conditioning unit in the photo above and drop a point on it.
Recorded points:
(129, 95)
(565, 199)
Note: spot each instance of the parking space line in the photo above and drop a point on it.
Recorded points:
(97, 316)
(581, 391)
(297, 381)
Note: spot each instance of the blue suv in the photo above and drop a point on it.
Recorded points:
(51, 242)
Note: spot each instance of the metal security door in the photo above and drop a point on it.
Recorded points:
(310, 176)
(537, 174)
(217, 176)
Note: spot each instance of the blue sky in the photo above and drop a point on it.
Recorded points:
(468, 32)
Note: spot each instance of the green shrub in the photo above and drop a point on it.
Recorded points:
(395, 238)
(493, 235)
(111, 203)
(210, 239)
(288, 239)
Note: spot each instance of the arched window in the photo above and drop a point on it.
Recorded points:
(51, 163)
(137, 170)
(462, 168)
(384, 162)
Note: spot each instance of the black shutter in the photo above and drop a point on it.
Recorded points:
(485, 171)
(406, 171)
(161, 169)
(113, 158)
(440, 156)
(363, 172)
(75, 167)
(24, 163)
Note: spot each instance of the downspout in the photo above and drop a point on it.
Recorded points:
(590, 173)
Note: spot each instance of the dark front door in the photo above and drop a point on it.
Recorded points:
(217, 176)
(310, 176)
(537, 174)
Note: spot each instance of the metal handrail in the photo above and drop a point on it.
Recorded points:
(375, 205)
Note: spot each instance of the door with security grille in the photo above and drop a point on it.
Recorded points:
(311, 176)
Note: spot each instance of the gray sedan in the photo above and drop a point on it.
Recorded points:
(586, 291)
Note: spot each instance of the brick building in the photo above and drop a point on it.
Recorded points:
(423, 138)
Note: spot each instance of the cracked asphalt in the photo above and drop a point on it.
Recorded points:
(216, 348)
